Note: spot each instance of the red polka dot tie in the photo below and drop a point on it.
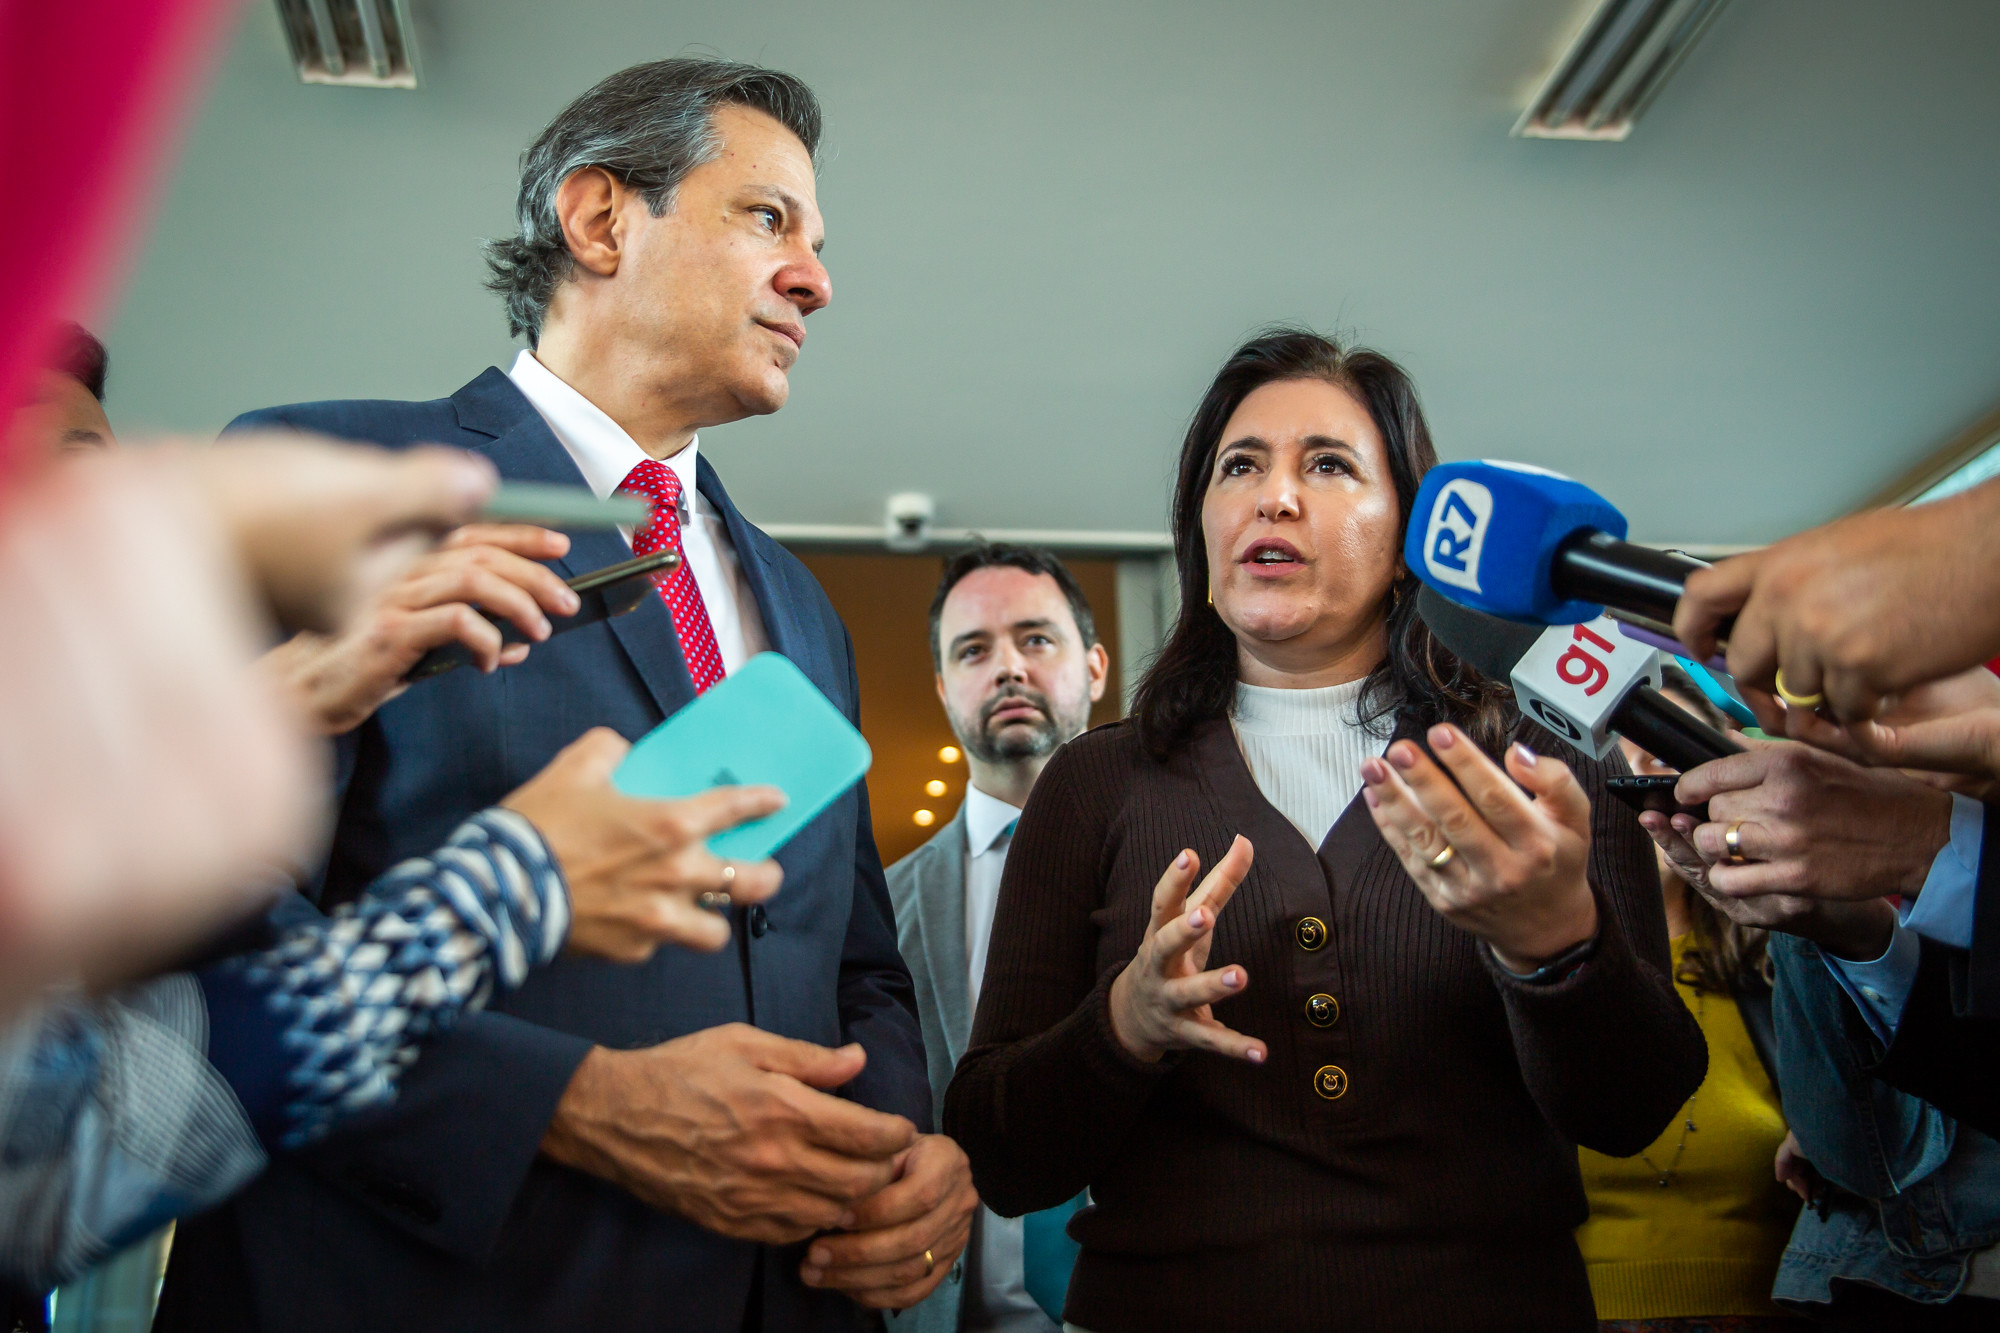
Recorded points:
(662, 532)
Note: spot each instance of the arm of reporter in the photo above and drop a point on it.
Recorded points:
(1861, 608)
(319, 1025)
(1863, 1135)
(1830, 1031)
(1551, 864)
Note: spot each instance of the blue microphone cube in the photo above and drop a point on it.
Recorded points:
(1485, 534)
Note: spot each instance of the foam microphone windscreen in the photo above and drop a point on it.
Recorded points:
(1489, 645)
(1487, 533)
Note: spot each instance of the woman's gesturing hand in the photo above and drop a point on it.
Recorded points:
(1161, 1001)
(1515, 872)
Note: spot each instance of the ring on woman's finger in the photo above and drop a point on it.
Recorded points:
(1732, 844)
(729, 874)
(715, 902)
(1443, 858)
(930, 1264)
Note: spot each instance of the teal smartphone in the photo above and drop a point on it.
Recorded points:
(764, 725)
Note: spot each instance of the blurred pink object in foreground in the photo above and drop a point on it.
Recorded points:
(151, 780)
(90, 94)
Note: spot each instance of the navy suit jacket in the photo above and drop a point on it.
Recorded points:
(437, 1213)
(1948, 1040)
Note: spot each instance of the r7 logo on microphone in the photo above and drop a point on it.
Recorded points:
(1456, 533)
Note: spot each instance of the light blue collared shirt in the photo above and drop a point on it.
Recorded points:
(1943, 911)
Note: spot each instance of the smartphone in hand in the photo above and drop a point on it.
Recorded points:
(615, 590)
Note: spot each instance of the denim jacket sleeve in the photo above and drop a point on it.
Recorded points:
(1857, 1131)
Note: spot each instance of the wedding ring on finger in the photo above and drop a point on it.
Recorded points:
(715, 902)
(1732, 844)
(1443, 858)
(930, 1264)
(1805, 701)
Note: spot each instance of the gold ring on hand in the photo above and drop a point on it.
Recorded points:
(930, 1264)
(1443, 858)
(1805, 701)
(1732, 843)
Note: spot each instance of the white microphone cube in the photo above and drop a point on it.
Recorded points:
(1575, 677)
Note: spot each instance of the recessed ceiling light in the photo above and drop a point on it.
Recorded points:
(935, 787)
(924, 818)
(949, 754)
(1614, 67)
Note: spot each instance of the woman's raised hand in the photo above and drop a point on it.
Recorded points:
(1161, 1001)
(1514, 875)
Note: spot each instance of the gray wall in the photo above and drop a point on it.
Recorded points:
(1048, 223)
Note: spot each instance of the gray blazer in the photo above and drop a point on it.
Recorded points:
(927, 888)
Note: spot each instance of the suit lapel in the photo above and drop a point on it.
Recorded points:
(941, 910)
(778, 604)
(525, 449)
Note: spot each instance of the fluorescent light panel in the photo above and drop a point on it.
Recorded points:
(1614, 67)
(353, 43)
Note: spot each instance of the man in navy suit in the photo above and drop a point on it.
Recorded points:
(702, 1142)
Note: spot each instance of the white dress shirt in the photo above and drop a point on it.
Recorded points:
(997, 1297)
(606, 455)
(986, 818)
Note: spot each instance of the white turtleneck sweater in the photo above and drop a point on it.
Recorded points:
(1304, 748)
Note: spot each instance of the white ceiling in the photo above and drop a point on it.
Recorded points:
(1048, 222)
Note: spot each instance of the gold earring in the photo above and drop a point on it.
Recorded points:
(1211, 594)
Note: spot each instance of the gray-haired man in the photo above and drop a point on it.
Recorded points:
(619, 1147)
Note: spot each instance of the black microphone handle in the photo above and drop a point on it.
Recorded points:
(1594, 566)
(1671, 734)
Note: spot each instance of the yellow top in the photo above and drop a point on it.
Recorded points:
(1707, 1242)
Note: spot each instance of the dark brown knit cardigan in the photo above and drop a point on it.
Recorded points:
(1437, 1190)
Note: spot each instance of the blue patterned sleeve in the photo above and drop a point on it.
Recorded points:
(321, 1025)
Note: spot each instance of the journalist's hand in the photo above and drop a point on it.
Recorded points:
(320, 525)
(1950, 726)
(1162, 1000)
(1856, 930)
(1516, 877)
(728, 1128)
(1794, 1172)
(340, 680)
(1813, 824)
(1862, 608)
(879, 1260)
(637, 868)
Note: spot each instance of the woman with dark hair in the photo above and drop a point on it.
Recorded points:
(1686, 1235)
(1340, 1083)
